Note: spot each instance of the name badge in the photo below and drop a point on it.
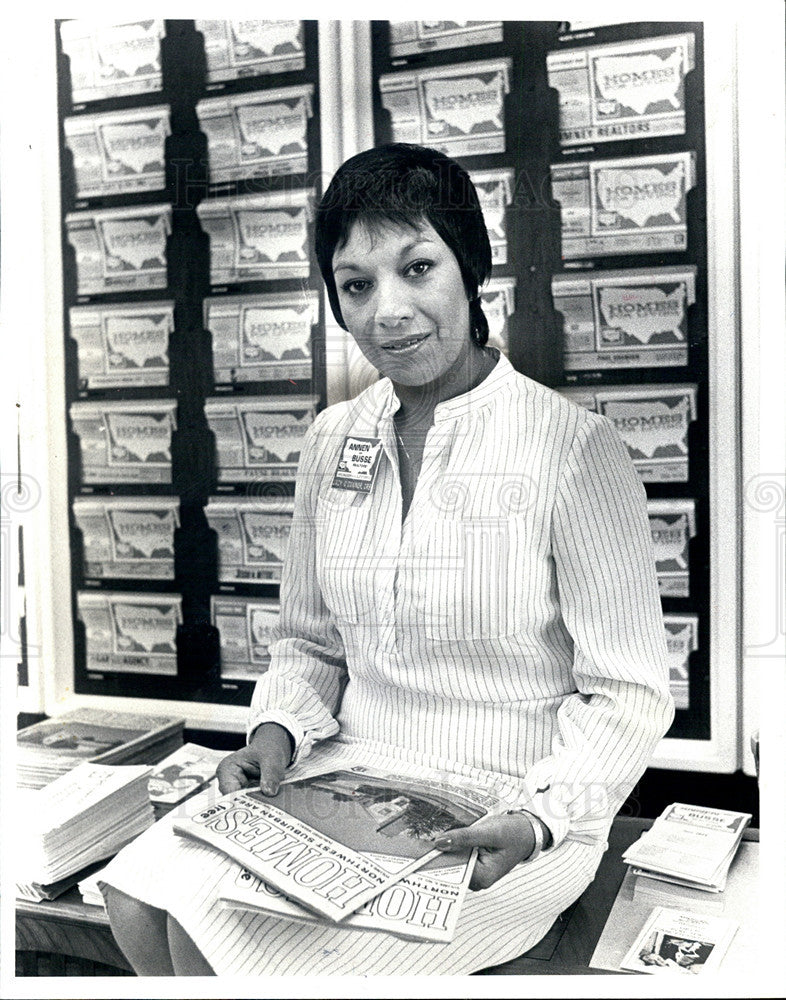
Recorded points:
(358, 464)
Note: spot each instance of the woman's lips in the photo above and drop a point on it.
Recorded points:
(406, 344)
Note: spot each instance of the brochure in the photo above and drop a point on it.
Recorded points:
(410, 37)
(625, 90)
(181, 774)
(258, 134)
(242, 48)
(459, 110)
(673, 941)
(695, 844)
(246, 627)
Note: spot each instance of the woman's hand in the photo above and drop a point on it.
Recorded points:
(502, 842)
(264, 760)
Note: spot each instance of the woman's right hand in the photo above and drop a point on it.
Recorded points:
(263, 761)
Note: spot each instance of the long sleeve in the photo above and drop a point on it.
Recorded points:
(608, 730)
(302, 688)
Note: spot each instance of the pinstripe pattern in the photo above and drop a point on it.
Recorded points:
(510, 627)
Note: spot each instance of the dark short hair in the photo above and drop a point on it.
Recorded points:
(404, 184)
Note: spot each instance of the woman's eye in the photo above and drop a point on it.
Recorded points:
(419, 267)
(355, 287)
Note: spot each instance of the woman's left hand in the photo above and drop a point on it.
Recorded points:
(502, 842)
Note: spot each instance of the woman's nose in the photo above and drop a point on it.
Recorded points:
(393, 306)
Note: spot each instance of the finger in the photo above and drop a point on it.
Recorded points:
(270, 775)
(486, 832)
(490, 867)
(231, 777)
(452, 840)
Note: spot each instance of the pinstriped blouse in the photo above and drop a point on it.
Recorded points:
(511, 623)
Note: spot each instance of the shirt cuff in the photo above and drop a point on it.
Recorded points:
(289, 722)
(546, 804)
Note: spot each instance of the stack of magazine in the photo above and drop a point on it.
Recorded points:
(691, 846)
(37, 892)
(82, 817)
(181, 774)
(348, 843)
(53, 747)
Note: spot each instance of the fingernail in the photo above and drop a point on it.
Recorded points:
(269, 789)
(443, 844)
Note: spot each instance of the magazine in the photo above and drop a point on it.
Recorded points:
(423, 906)
(83, 816)
(50, 748)
(181, 774)
(673, 941)
(336, 835)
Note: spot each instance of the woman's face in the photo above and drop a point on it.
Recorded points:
(404, 302)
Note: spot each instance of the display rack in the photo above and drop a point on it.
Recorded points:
(554, 269)
(170, 146)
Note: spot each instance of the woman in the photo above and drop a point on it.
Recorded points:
(483, 600)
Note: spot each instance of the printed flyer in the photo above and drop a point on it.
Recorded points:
(123, 345)
(125, 442)
(682, 639)
(257, 338)
(120, 249)
(459, 110)
(633, 205)
(119, 151)
(499, 302)
(410, 37)
(673, 524)
(246, 627)
(257, 134)
(243, 48)
(625, 319)
(181, 774)
(259, 437)
(626, 90)
(653, 422)
(258, 237)
(253, 535)
(495, 190)
(130, 633)
(128, 536)
(110, 59)
(675, 943)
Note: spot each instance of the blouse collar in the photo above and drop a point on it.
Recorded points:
(500, 375)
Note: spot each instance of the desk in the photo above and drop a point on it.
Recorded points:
(66, 927)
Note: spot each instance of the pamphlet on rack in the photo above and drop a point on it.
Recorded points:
(338, 833)
(672, 941)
